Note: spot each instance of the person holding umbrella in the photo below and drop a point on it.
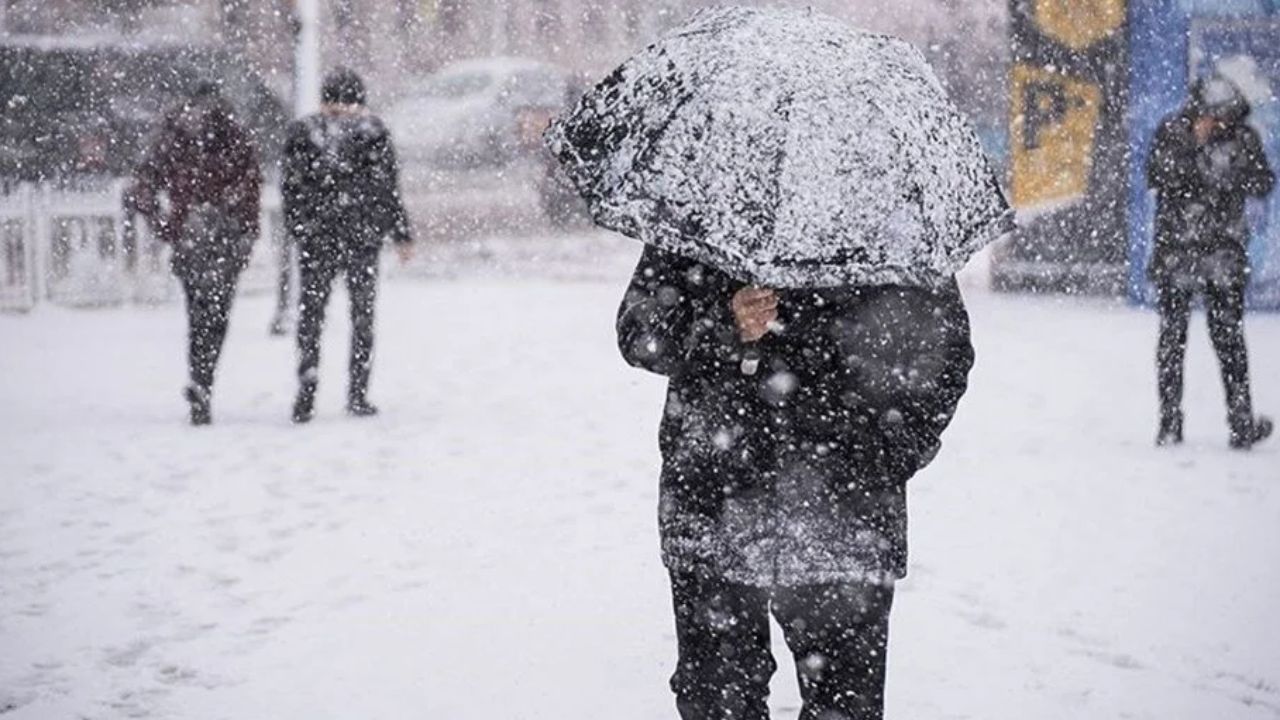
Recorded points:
(207, 165)
(805, 193)
(1205, 163)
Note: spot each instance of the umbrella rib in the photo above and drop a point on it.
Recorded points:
(660, 130)
(783, 110)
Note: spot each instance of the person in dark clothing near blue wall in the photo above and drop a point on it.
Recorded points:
(793, 420)
(341, 200)
(1205, 163)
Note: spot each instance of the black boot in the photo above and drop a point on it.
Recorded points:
(1254, 432)
(1170, 429)
(360, 407)
(199, 400)
(304, 407)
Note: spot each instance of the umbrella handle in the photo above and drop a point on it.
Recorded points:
(750, 364)
(750, 361)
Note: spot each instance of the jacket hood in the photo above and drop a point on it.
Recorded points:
(1218, 96)
(209, 118)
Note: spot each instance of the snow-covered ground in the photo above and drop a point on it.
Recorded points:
(486, 548)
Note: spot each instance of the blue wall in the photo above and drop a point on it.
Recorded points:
(1160, 42)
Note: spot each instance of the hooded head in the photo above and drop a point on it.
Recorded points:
(342, 86)
(205, 113)
(1217, 97)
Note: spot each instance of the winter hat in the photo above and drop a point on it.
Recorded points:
(343, 86)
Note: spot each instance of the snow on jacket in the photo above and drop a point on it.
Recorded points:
(340, 185)
(1201, 233)
(795, 474)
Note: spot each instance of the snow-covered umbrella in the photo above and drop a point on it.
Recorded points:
(787, 149)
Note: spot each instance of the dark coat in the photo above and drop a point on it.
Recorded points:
(1201, 234)
(796, 474)
(340, 186)
(201, 157)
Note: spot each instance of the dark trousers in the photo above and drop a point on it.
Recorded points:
(208, 315)
(838, 635)
(207, 259)
(317, 273)
(1225, 305)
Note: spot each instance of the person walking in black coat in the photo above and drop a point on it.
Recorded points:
(341, 200)
(208, 167)
(793, 421)
(1205, 162)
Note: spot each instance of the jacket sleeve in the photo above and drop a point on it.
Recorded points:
(386, 178)
(675, 313)
(244, 186)
(294, 181)
(912, 422)
(1259, 179)
(249, 196)
(141, 197)
(149, 179)
(1169, 167)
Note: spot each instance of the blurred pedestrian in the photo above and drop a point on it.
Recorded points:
(341, 200)
(207, 166)
(1205, 162)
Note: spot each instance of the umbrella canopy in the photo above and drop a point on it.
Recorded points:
(787, 149)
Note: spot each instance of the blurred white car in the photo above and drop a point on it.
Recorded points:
(477, 113)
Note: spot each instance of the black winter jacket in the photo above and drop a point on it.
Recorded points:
(795, 474)
(340, 185)
(1201, 235)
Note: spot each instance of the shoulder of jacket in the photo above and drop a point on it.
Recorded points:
(1248, 134)
(1175, 123)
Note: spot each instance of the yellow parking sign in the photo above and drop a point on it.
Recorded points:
(1079, 24)
(1054, 128)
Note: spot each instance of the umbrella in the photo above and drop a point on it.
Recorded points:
(787, 149)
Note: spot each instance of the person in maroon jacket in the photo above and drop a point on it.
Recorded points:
(207, 166)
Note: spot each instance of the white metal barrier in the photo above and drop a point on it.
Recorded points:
(76, 246)
(17, 260)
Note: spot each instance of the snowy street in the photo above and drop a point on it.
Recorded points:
(487, 547)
